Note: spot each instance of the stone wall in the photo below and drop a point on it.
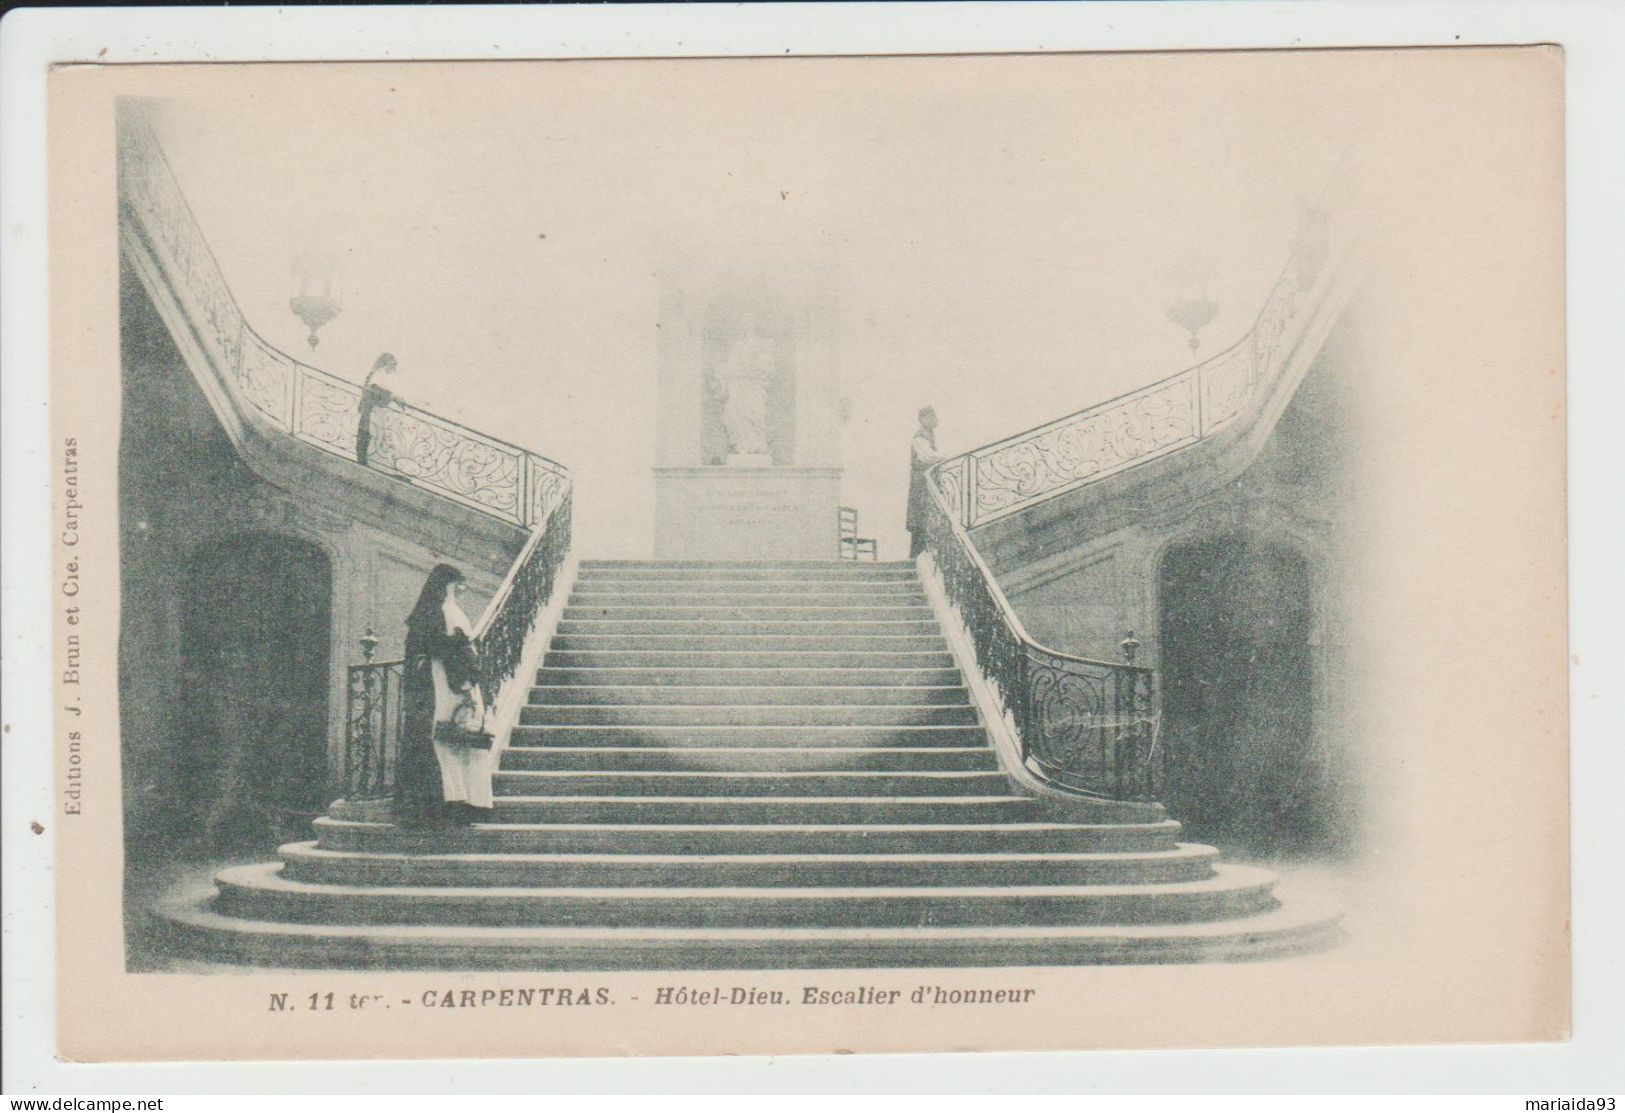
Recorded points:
(184, 487)
(1297, 496)
(1085, 599)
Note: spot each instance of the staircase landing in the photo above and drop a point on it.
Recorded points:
(748, 766)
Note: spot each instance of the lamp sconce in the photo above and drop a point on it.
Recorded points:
(1193, 315)
(316, 302)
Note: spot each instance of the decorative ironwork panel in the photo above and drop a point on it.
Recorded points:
(1227, 386)
(1010, 475)
(266, 378)
(220, 316)
(1270, 333)
(153, 194)
(435, 454)
(329, 410)
(1140, 767)
(143, 179)
(501, 642)
(952, 477)
(1089, 446)
(1091, 726)
(999, 650)
(544, 489)
(1086, 725)
(372, 730)
(318, 408)
(1068, 719)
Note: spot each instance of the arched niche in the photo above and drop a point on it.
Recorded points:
(256, 628)
(1239, 674)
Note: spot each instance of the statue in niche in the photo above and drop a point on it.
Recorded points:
(741, 383)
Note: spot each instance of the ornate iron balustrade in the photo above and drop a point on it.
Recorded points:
(311, 405)
(1090, 726)
(373, 716)
(372, 726)
(507, 622)
(1175, 413)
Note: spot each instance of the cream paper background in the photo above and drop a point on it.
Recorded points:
(1458, 912)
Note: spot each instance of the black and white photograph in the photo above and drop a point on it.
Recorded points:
(878, 687)
(810, 554)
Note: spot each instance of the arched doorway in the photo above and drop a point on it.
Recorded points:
(1238, 694)
(255, 654)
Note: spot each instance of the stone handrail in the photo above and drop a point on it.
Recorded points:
(306, 403)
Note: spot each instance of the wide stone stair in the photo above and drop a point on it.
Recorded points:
(748, 765)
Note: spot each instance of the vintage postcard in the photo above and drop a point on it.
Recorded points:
(773, 555)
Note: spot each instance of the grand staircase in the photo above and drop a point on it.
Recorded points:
(748, 766)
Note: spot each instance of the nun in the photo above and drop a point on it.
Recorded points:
(440, 781)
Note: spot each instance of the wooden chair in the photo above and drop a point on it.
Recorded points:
(853, 547)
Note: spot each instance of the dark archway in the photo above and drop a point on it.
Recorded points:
(255, 655)
(1238, 695)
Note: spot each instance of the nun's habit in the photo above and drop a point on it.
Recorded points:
(440, 667)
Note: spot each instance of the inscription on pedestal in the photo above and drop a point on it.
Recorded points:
(746, 514)
(746, 508)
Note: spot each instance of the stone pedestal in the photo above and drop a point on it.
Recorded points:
(744, 513)
(747, 453)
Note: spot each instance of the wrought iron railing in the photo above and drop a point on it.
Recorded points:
(500, 637)
(1012, 474)
(1090, 726)
(311, 405)
(372, 735)
(1085, 724)
(372, 726)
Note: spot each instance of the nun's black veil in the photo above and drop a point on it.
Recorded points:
(428, 617)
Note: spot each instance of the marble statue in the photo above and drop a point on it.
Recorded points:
(742, 381)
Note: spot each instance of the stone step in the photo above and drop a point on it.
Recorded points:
(262, 892)
(724, 759)
(746, 784)
(857, 615)
(1033, 836)
(747, 570)
(741, 694)
(785, 597)
(1308, 922)
(810, 715)
(305, 862)
(746, 765)
(663, 737)
(701, 677)
(765, 809)
(860, 589)
(669, 656)
(915, 637)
